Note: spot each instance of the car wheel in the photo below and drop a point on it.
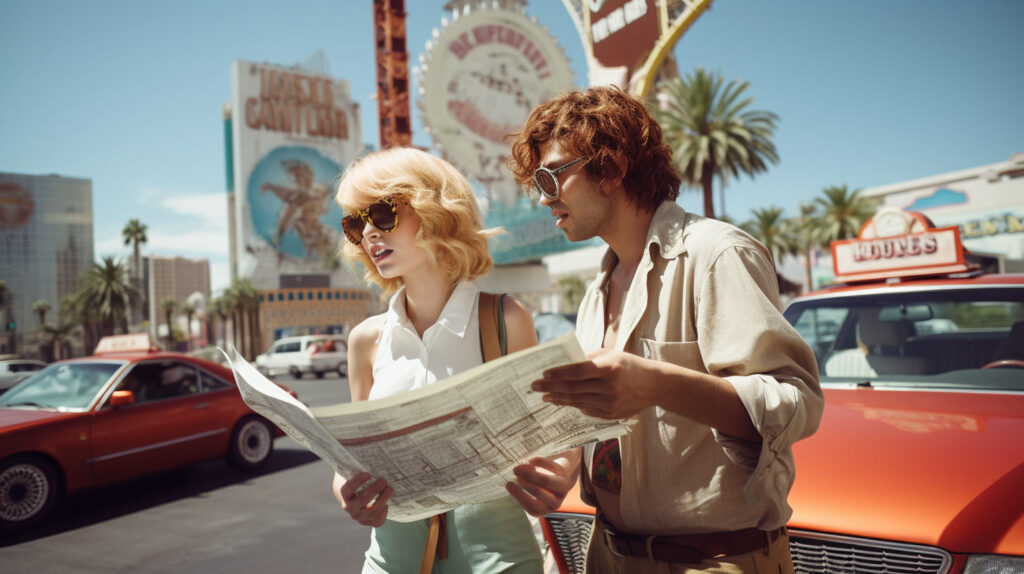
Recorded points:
(252, 443)
(342, 370)
(29, 491)
(319, 374)
(295, 372)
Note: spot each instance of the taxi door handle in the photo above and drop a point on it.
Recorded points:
(201, 406)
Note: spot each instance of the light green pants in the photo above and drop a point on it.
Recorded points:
(482, 538)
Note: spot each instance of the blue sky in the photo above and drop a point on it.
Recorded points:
(129, 94)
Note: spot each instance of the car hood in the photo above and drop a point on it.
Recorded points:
(937, 468)
(14, 419)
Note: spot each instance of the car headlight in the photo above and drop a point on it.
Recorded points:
(994, 564)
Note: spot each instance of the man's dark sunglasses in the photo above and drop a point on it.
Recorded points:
(546, 179)
(383, 214)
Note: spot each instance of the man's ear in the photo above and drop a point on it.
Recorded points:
(615, 167)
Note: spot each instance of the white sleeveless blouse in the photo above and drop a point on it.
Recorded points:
(451, 345)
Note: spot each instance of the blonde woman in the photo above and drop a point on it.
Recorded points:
(413, 223)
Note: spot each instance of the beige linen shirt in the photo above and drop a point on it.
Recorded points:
(705, 296)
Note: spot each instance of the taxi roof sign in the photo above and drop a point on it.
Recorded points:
(896, 243)
(131, 343)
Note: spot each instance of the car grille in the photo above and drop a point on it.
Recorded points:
(572, 531)
(817, 552)
(812, 552)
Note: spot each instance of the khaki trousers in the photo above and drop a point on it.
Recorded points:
(773, 559)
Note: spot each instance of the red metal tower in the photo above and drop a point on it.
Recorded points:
(392, 73)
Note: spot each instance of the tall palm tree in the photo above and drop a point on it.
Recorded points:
(134, 234)
(189, 310)
(249, 302)
(40, 308)
(232, 311)
(767, 226)
(843, 212)
(168, 305)
(57, 340)
(6, 314)
(106, 289)
(74, 309)
(805, 235)
(712, 132)
(217, 311)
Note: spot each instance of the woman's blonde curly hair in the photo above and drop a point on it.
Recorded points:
(451, 226)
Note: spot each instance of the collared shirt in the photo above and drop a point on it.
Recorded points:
(404, 361)
(705, 296)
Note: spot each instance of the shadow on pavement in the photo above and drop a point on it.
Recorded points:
(108, 502)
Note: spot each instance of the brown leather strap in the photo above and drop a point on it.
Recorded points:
(688, 549)
(430, 549)
(437, 543)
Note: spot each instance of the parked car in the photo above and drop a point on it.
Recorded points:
(918, 464)
(14, 370)
(115, 416)
(306, 354)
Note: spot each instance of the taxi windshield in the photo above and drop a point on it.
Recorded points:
(62, 386)
(940, 338)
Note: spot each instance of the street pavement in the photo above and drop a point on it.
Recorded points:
(207, 518)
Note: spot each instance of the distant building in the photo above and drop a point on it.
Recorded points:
(173, 278)
(986, 203)
(46, 245)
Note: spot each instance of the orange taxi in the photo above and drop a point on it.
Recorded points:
(918, 464)
(127, 411)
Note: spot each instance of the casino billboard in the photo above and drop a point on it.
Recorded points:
(291, 134)
(482, 74)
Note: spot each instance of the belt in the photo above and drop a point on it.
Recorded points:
(691, 548)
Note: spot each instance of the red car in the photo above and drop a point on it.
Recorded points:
(918, 464)
(128, 411)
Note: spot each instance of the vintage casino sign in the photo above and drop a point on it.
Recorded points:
(479, 79)
(292, 132)
(896, 243)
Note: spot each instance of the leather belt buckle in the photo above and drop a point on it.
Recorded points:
(609, 541)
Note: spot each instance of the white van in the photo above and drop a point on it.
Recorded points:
(316, 354)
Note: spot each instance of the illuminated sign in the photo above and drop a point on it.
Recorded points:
(479, 81)
(895, 243)
(623, 31)
(293, 132)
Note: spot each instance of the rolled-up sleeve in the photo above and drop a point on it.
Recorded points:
(745, 339)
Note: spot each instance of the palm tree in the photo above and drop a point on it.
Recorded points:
(134, 234)
(56, 340)
(189, 310)
(573, 288)
(804, 233)
(843, 213)
(74, 309)
(767, 227)
(106, 290)
(217, 311)
(6, 315)
(248, 298)
(712, 132)
(168, 304)
(40, 308)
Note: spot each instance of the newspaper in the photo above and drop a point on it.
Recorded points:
(450, 443)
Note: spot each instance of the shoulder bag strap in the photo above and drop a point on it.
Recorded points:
(493, 344)
(493, 337)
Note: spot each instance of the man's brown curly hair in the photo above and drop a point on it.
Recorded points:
(609, 128)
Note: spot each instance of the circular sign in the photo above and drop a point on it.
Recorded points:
(479, 81)
(290, 200)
